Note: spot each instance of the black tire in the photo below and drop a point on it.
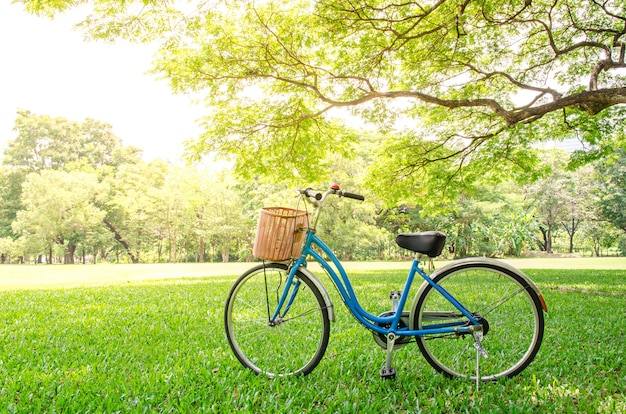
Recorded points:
(293, 346)
(513, 322)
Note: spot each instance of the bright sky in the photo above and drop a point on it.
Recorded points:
(46, 67)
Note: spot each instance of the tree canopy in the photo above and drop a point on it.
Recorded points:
(45, 142)
(470, 85)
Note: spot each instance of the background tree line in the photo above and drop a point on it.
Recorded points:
(452, 100)
(71, 191)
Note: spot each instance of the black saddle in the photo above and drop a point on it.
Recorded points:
(429, 242)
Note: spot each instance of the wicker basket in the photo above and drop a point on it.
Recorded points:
(280, 233)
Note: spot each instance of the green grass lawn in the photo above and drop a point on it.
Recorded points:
(150, 338)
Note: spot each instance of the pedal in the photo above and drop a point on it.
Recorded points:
(387, 373)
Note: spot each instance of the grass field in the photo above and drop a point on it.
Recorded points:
(149, 338)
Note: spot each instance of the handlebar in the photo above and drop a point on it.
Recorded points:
(317, 197)
(351, 195)
(311, 193)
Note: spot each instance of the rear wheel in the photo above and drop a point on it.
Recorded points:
(291, 345)
(504, 303)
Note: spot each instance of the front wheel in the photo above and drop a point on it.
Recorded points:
(507, 307)
(292, 344)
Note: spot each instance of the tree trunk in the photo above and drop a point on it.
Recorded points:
(69, 253)
(202, 257)
(173, 250)
(546, 232)
(571, 231)
(121, 241)
(549, 240)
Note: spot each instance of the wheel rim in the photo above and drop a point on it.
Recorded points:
(512, 313)
(292, 346)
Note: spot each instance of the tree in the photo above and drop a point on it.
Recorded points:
(226, 221)
(8, 248)
(10, 190)
(551, 197)
(45, 142)
(598, 235)
(59, 208)
(579, 201)
(612, 189)
(477, 82)
(167, 214)
(216, 215)
(42, 142)
(131, 203)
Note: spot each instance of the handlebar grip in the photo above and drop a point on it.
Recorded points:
(352, 195)
(309, 192)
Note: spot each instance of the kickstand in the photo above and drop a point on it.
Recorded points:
(480, 353)
(387, 372)
(477, 368)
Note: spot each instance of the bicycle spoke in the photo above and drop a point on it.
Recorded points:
(291, 346)
(508, 309)
(303, 314)
(500, 302)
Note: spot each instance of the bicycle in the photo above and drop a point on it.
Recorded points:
(474, 318)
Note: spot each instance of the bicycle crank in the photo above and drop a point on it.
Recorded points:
(389, 372)
(400, 341)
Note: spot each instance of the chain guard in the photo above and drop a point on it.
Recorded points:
(381, 339)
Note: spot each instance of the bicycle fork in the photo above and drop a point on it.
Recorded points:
(292, 286)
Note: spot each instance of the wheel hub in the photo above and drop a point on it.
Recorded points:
(275, 322)
(483, 322)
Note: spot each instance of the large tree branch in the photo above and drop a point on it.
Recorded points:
(591, 102)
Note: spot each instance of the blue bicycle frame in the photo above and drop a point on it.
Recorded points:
(371, 322)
